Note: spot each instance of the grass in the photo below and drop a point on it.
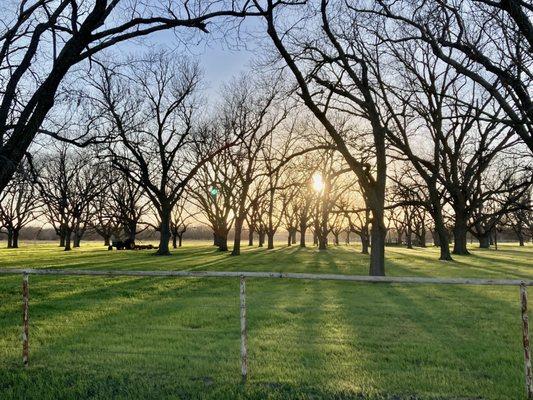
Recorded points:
(178, 338)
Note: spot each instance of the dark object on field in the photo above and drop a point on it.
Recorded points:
(145, 247)
(129, 244)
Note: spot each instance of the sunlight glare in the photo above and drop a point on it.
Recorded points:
(318, 182)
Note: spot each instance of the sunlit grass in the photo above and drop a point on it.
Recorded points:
(179, 338)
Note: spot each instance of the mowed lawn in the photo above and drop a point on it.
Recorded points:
(178, 338)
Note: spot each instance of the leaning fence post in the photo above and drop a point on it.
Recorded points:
(25, 319)
(525, 341)
(244, 346)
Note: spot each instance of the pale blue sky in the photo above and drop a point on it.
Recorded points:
(220, 57)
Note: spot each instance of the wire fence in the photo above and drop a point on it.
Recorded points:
(234, 332)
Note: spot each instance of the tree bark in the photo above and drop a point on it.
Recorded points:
(422, 238)
(364, 244)
(16, 233)
(174, 241)
(77, 239)
(440, 236)
(484, 240)
(460, 236)
(164, 231)
(250, 236)
(222, 241)
(377, 254)
(9, 238)
(303, 230)
(107, 240)
(62, 236)
(270, 236)
(322, 242)
(237, 240)
(68, 235)
(409, 238)
(180, 240)
(261, 238)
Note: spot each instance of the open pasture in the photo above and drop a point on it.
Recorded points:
(94, 337)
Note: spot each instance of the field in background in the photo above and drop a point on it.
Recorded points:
(179, 338)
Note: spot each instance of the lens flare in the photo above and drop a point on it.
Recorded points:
(318, 182)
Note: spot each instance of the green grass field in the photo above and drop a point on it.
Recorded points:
(148, 338)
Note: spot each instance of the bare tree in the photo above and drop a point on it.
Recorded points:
(212, 192)
(129, 205)
(521, 220)
(19, 204)
(42, 40)
(69, 182)
(331, 74)
(488, 42)
(155, 139)
(250, 112)
(181, 220)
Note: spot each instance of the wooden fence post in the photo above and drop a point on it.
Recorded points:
(525, 341)
(25, 319)
(244, 345)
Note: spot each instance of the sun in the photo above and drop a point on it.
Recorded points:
(318, 182)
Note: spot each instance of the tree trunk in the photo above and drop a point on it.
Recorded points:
(132, 231)
(62, 236)
(16, 238)
(68, 235)
(336, 239)
(436, 238)
(364, 244)
(377, 251)
(180, 240)
(520, 239)
(303, 230)
(77, 239)
(215, 239)
(409, 239)
(270, 236)
(9, 238)
(322, 242)
(422, 238)
(164, 231)
(289, 239)
(293, 235)
(237, 240)
(222, 241)
(440, 236)
(174, 241)
(250, 236)
(107, 240)
(484, 240)
(261, 238)
(460, 236)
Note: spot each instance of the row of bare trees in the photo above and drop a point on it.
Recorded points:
(431, 120)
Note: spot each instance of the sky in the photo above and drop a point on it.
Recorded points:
(221, 57)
